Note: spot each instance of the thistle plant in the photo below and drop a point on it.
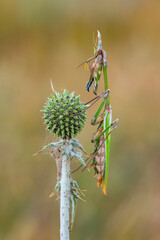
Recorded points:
(65, 117)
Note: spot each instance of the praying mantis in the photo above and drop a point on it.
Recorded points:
(101, 138)
(102, 117)
(96, 68)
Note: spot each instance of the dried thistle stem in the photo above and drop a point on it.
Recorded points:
(65, 199)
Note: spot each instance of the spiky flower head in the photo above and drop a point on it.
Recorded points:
(64, 115)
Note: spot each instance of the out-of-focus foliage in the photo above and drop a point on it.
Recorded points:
(43, 40)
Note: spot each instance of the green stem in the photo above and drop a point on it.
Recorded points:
(106, 83)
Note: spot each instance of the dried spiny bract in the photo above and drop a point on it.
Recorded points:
(64, 115)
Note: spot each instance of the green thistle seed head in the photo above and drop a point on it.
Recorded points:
(64, 115)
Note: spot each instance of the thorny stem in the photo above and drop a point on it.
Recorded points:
(65, 199)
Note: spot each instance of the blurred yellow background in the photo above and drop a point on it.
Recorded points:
(43, 40)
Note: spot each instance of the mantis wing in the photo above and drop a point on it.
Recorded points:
(106, 125)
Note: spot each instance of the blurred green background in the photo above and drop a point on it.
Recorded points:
(43, 40)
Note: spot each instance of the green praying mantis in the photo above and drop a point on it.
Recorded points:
(102, 117)
(101, 138)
